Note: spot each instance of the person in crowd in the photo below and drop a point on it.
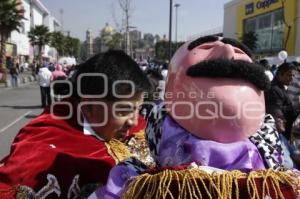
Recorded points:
(58, 73)
(26, 66)
(267, 68)
(295, 142)
(278, 103)
(2, 73)
(19, 68)
(13, 71)
(37, 68)
(32, 67)
(69, 150)
(44, 79)
(58, 85)
(294, 88)
(280, 106)
(156, 95)
(10, 62)
(51, 67)
(274, 69)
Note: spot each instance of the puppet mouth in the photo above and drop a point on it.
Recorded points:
(233, 69)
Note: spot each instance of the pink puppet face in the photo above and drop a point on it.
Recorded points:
(213, 93)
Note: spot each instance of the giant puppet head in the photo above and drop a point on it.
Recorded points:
(215, 91)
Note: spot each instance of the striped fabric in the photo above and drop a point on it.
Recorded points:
(294, 90)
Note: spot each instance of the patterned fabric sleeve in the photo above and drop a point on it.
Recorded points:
(268, 143)
(154, 129)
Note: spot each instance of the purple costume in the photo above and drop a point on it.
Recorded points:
(171, 145)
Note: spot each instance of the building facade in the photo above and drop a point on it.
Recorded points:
(275, 23)
(18, 46)
(89, 43)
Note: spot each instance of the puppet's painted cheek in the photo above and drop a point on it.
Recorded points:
(222, 110)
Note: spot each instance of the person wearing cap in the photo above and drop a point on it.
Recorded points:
(211, 137)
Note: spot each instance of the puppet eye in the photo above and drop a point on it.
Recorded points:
(238, 51)
(206, 46)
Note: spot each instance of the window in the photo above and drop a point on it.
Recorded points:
(250, 25)
(278, 30)
(269, 29)
(264, 21)
(22, 28)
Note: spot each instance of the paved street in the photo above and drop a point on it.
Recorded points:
(17, 107)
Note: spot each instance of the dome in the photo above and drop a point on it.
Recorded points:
(107, 29)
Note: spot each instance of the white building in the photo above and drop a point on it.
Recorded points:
(35, 14)
(50, 53)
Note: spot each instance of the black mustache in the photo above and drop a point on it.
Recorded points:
(237, 69)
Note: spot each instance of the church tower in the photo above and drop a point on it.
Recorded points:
(89, 43)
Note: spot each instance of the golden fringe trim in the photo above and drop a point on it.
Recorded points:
(140, 135)
(216, 185)
(118, 150)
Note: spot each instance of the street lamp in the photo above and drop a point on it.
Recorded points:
(176, 23)
(170, 30)
(130, 53)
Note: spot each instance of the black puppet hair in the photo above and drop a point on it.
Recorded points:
(115, 65)
(237, 69)
(202, 40)
(230, 41)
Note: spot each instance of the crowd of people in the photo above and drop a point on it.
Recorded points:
(212, 123)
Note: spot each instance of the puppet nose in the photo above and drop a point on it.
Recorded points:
(224, 51)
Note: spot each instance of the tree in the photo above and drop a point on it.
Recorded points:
(116, 41)
(39, 36)
(75, 47)
(156, 38)
(250, 39)
(57, 41)
(10, 19)
(83, 52)
(149, 39)
(162, 49)
(65, 45)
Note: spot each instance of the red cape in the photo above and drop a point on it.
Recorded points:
(53, 157)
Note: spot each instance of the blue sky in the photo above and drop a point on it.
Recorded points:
(149, 16)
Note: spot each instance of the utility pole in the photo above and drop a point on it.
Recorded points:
(170, 30)
(176, 23)
(61, 11)
(127, 10)
(127, 34)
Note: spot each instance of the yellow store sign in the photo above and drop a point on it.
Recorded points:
(250, 9)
